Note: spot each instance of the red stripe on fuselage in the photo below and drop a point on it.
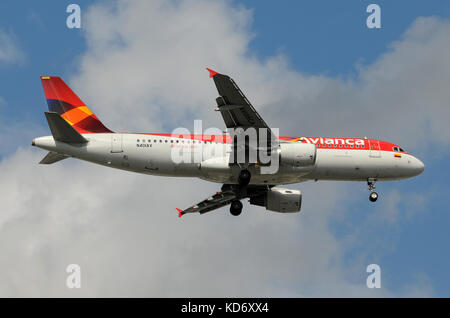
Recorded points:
(320, 142)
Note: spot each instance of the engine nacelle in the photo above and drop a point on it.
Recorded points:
(298, 154)
(279, 200)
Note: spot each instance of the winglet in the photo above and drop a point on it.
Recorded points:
(180, 212)
(212, 73)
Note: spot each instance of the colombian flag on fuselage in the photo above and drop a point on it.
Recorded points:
(62, 100)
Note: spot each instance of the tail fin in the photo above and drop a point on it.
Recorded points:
(62, 100)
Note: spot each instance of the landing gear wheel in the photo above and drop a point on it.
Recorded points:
(244, 178)
(373, 196)
(236, 207)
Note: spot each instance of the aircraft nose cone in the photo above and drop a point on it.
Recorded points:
(418, 166)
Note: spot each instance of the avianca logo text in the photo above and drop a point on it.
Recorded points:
(332, 141)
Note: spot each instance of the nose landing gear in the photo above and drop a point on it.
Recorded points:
(373, 196)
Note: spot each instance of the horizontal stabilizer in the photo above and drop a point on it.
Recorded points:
(52, 157)
(62, 130)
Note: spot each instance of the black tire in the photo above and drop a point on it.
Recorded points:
(236, 207)
(373, 196)
(244, 177)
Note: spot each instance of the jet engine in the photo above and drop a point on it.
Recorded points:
(279, 200)
(298, 154)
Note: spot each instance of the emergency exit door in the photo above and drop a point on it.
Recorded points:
(375, 151)
(116, 143)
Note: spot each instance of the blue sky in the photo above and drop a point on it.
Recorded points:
(326, 38)
(331, 36)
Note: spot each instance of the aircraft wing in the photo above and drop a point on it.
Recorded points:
(235, 108)
(225, 197)
(216, 201)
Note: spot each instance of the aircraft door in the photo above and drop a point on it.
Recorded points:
(116, 143)
(375, 151)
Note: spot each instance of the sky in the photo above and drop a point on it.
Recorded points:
(312, 68)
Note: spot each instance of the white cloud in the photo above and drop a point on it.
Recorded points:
(16, 133)
(9, 50)
(403, 204)
(123, 231)
(157, 52)
(145, 63)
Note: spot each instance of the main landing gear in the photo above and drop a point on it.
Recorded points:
(373, 196)
(236, 207)
(243, 180)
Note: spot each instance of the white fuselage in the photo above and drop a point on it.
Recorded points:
(153, 154)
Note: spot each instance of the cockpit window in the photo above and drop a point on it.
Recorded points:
(398, 149)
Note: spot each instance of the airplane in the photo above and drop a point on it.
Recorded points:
(78, 133)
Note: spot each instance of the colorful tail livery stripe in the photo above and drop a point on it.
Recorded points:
(62, 100)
